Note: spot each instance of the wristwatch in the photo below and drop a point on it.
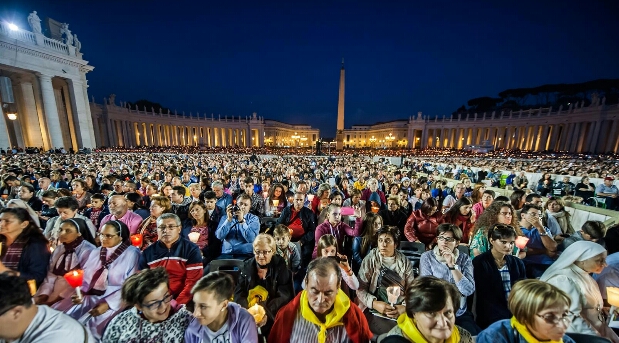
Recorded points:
(455, 267)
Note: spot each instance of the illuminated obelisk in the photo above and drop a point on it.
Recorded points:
(339, 137)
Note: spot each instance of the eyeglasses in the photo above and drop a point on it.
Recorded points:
(155, 305)
(446, 239)
(164, 228)
(262, 252)
(551, 318)
(106, 236)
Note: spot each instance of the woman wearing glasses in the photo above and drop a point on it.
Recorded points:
(431, 305)
(541, 314)
(265, 280)
(570, 273)
(154, 317)
(105, 271)
(497, 213)
(445, 261)
(495, 273)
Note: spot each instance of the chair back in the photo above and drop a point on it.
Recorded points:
(464, 249)
(413, 251)
(229, 266)
(267, 224)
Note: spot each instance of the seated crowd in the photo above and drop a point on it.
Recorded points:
(220, 248)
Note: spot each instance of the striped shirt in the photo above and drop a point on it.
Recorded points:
(507, 285)
(304, 331)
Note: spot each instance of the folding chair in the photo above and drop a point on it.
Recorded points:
(413, 251)
(464, 249)
(267, 224)
(229, 266)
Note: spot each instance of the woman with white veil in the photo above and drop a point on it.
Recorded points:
(570, 273)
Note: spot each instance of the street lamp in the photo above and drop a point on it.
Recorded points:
(372, 141)
(12, 116)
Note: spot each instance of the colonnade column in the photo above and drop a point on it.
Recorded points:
(4, 132)
(84, 120)
(51, 110)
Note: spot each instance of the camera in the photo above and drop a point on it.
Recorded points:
(235, 209)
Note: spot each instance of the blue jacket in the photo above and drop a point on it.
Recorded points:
(503, 332)
(224, 201)
(34, 260)
(238, 238)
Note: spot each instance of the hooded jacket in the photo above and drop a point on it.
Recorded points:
(241, 326)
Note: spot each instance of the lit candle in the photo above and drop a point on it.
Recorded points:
(32, 285)
(310, 197)
(194, 236)
(375, 209)
(521, 242)
(257, 311)
(136, 240)
(275, 202)
(74, 279)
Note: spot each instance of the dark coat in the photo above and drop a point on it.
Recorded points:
(491, 304)
(278, 283)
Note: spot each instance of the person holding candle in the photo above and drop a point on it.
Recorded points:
(333, 225)
(266, 270)
(322, 312)
(76, 246)
(216, 317)
(541, 314)
(23, 247)
(372, 189)
(276, 201)
(571, 274)
(322, 193)
(25, 322)
(148, 228)
(445, 261)
(153, 316)
(202, 225)
(431, 305)
(396, 270)
(180, 257)
(421, 225)
(105, 271)
(495, 273)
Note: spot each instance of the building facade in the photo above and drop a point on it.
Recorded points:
(118, 125)
(44, 97)
(594, 128)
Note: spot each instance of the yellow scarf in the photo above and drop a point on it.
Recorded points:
(334, 318)
(409, 328)
(256, 295)
(524, 332)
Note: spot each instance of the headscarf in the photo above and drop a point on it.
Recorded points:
(578, 251)
(18, 203)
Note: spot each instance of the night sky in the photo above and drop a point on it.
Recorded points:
(282, 58)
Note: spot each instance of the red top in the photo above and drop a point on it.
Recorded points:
(356, 325)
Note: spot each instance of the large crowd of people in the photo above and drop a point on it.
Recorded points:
(274, 245)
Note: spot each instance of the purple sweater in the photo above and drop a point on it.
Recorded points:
(241, 326)
(338, 231)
